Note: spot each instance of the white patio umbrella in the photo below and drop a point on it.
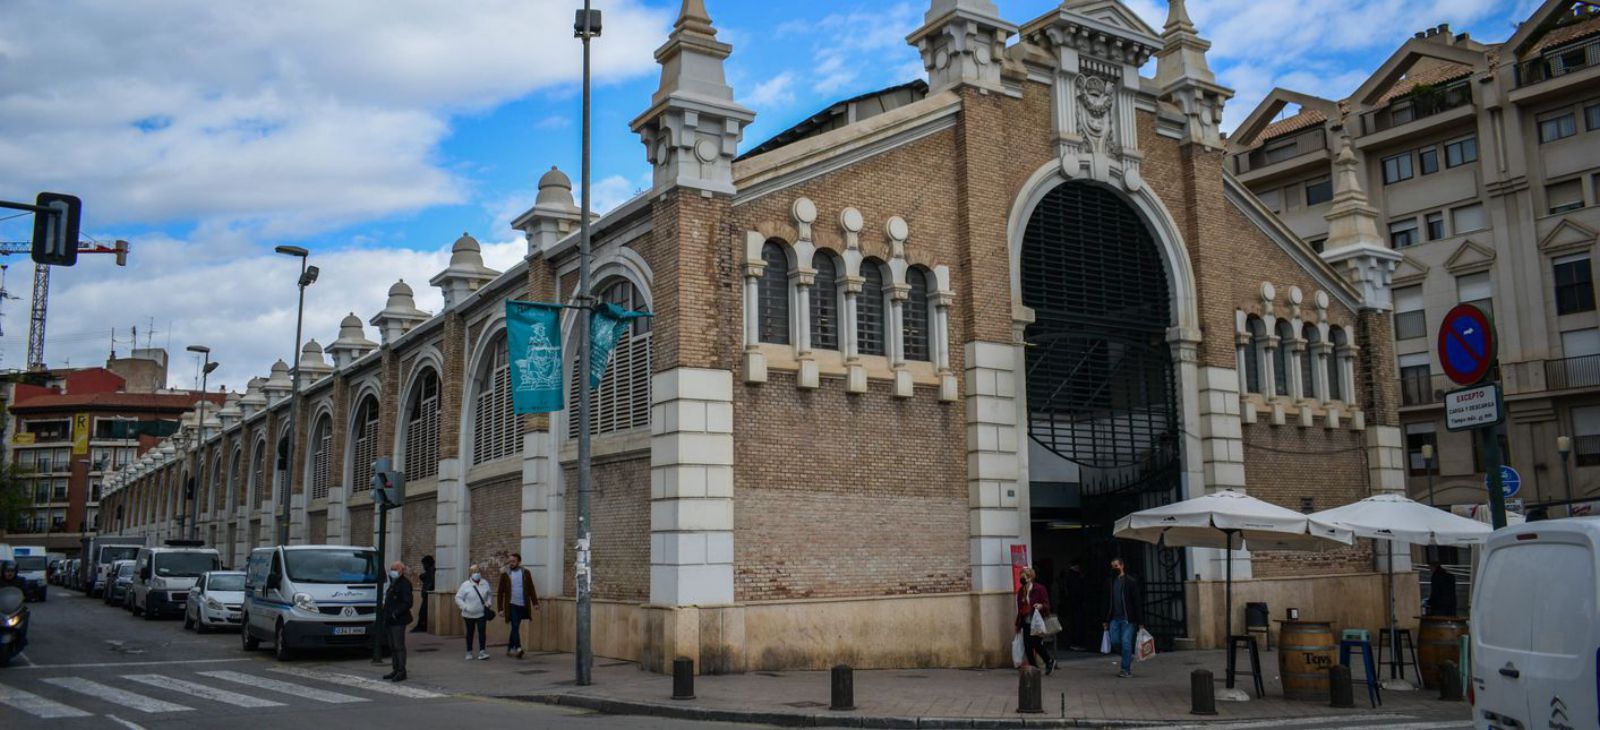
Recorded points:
(1391, 518)
(1218, 519)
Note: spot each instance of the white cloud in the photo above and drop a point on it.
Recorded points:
(777, 91)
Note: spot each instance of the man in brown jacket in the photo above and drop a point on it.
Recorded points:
(515, 600)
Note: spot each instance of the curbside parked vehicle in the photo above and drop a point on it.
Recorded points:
(304, 596)
(162, 577)
(33, 566)
(215, 601)
(116, 594)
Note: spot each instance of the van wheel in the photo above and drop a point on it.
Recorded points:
(249, 642)
(280, 645)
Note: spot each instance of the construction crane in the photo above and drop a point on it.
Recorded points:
(41, 290)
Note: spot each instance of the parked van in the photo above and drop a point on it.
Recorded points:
(162, 577)
(33, 563)
(99, 552)
(1536, 627)
(302, 596)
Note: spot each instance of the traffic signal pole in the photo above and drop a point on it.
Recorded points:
(1497, 491)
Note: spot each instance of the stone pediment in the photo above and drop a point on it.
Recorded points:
(1568, 235)
(1410, 271)
(1111, 13)
(1470, 258)
(1101, 29)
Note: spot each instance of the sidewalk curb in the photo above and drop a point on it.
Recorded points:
(787, 719)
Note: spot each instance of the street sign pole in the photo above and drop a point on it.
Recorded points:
(1497, 490)
(1467, 348)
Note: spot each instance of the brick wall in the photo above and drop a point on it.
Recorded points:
(495, 521)
(418, 520)
(620, 508)
(361, 526)
(319, 528)
(1287, 464)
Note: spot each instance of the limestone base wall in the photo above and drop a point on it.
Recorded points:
(1350, 601)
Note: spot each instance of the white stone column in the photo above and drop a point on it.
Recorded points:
(338, 515)
(1296, 351)
(802, 282)
(755, 363)
(993, 461)
(298, 528)
(855, 372)
(1319, 376)
(1269, 371)
(691, 488)
(897, 340)
(538, 551)
(1346, 355)
(1221, 429)
(450, 525)
(942, 297)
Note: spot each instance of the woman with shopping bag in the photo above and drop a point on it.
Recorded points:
(1033, 605)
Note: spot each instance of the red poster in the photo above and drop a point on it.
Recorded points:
(1019, 560)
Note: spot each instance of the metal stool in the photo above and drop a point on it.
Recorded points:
(1364, 646)
(1248, 643)
(1397, 654)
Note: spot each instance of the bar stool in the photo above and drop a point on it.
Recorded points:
(1358, 640)
(1397, 654)
(1249, 644)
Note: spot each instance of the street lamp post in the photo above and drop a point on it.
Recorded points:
(586, 28)
(1427, 462)
(308, 276)
(193, 492)
(1564, 447)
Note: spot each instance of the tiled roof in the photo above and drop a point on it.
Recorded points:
(1303, 119)
(1567, 34)
(177, 402)
(1439, 74)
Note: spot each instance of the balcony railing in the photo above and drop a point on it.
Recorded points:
(1278, 150)
(1417, 105)
(1559, 63)
(1572, 372)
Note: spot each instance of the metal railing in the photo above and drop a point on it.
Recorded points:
(1560, 63)
(1271, 153)
(1417, 105)
(1572, 372)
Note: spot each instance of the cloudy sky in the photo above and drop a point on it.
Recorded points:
(374, 132)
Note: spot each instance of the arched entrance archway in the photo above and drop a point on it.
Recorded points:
(1103, 400)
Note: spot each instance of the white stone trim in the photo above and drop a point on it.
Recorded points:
(994, 461)
(691, 488)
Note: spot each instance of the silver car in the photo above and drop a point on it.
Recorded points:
(122, 577)
(214, 602)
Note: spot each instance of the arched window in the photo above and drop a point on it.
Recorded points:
(235, 491)
(422, 427)
(363, 443)
(495, 427)
(916, 315)
(214, 485)
(622, 402)
(1280, 359)
(280, 476)
(825, 303)
(1252, 353)
(870, 309)
(321, 457)
(774, 295)
(1335, 372)
(1308, 361)
(258, 476)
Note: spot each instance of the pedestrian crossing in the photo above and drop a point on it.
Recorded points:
(41, 697)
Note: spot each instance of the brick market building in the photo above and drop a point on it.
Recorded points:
(1002, 305)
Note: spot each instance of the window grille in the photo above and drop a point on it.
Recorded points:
(773, 291)
(1252, 353)
(825, 304)
(1308, 361)
(915, 317)
(321, 454)
(870, 310)
(235, 478)
(364, 443)
(495, 427)
(1335, 370)
(258, 480)
(622, 402)
(1280, 359)
(422, 428)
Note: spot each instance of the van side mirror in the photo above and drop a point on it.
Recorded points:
(274, 580)
(144, 573)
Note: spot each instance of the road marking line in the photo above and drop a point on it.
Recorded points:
(131, 664)
(115, 696)
(288, 688)
(1329, 720)
(125, 723)
(371, 685)
(1451, 725)
(201, 691)
(37, 706)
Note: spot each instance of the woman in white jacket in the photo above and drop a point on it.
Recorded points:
(474, 598)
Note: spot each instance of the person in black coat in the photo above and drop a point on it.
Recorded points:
(397, 616)
(1124, 613)
(427, 589)
(1441, 591)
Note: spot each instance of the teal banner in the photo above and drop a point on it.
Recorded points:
(533, 332)
(605, 327)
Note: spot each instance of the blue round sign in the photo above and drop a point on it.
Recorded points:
(1510, 481)
(1466, 344)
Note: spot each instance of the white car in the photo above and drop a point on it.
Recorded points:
(214, 602)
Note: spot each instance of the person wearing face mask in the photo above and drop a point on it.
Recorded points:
(473, 599)
(397, 616)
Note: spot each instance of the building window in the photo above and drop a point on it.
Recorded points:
(1591, 116)
(1467, 218)
(870, 309)
(54, 430)
(1478, 290)
(1397, 168)
(773, 293)
(1410, 319)
(1318, 244)
(496, 429)
(1279, 150)
(1403, 233)
(364, 443)
(1252, 353)
(259, 491)
(116, 428)
(1319, 191)
(1461, 152)
(1401, 112)
(1557, 126)
(916, 315)
(321, 457)
(1428, 160)
(1586, 435)
(1280, 359)
(1417, 436)
(1564, 196)
(1273, 199)
(622, 401)
(1308, 361)
(1480, 459)
(1435, 224)
(1580, 343)
(422, 428)
(1416, 379)
(825, 303)
(1574, 284)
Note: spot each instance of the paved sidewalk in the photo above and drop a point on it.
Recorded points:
(1084, 692)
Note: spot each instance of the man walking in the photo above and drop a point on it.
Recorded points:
(515, 599)
(397, 616)
(427, 589)
(1124, 612)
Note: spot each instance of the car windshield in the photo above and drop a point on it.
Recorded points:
(30, 563)
(125, 570)
(332, 566)
(118, 552)
(184, 565)
(225, 583)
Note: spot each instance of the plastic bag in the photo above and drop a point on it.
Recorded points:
(1146, 644)
(1052, 626)
(1019, 655)
(1036, 625)
(1105, 642)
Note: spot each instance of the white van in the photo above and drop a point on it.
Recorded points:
(302, 596)
(162, 577)
(1536, 627)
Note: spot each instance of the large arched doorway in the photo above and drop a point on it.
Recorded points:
(1102, 400)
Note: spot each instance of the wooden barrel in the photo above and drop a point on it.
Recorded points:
(1306, 650)
(1438, 642)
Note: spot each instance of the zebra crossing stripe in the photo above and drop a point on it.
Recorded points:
(115, 696)
(37, 706)
(1452, 725)
(288, 688)
(1327, 721)
(201, 691)
(371, 685)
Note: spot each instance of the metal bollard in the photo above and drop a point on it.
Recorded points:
(1341, 692)
(844, 689)
(1030, 691)
(1449, 682)
(683, 678)
(1202, 693)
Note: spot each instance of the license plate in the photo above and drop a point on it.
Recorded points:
(350, 631)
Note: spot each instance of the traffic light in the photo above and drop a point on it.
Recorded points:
(388, 486)
(55, 234)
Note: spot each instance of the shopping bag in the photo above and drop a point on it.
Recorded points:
(1036, 624)
(1019, 655)
(1105, 642)
(1147, 645)
(1052, 626)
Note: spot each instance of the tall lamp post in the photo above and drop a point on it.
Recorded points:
(193, 488)
(586, 28)
(1564, 447)
(1427, 462)
(308, 276)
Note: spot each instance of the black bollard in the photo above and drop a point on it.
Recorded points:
(1202, 693)
(1030, 691)
(1450, 682)
(1341, 693)
(683, 678)
(844, 689)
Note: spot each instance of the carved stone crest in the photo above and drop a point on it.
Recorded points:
(1097, 95)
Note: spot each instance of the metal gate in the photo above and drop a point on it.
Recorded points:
(1101, 383)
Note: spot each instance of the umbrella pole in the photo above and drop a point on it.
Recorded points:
(1394, 635)
(1227, 555)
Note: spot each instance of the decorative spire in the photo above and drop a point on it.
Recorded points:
(1354, 245)
(962, 42)
(694, 18)
(1185, 77)
(554, 214)
(1178, 18)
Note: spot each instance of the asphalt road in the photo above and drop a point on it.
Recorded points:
(93, 666)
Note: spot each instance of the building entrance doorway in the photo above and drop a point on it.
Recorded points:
(1102, 404)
